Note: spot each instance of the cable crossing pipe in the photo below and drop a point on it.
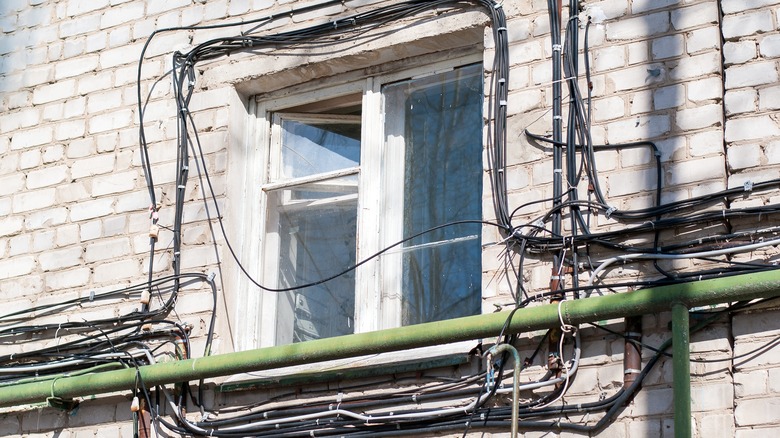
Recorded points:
(640, 302)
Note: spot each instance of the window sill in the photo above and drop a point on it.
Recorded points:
(407, 361)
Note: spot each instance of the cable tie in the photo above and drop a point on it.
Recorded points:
(185, 167)
(339, 397)
(497, 5)
(177, 253)
(502, 103)
(557, 117)
(558, 171)
(747, 186)
(180, 187)
(501, 29)
(556, 47)
(609, 211)
(92, 295)
(555, 277)
(632, 371)
(211, 276)
(502, 81)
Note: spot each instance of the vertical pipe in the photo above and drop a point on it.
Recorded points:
(632, 357)
(681, 368)
(501, 348)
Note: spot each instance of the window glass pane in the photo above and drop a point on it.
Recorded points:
(440, 120)
(309, 148)
(317, 225)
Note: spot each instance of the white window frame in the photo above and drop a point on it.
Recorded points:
(376, 281)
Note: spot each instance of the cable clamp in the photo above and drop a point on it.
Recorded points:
(556, 47)
(557, 117)
(555, 277)
(747, 186)
(538, 224)
(502, 103)
(558, 171)
(180, 187)
(632, 371)
(502, 81)
(609, 211)
(501, 29)
(211, 276)
(154, 231)
(498, 5)
(92, 295)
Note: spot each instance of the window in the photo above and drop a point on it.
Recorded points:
(356, 168)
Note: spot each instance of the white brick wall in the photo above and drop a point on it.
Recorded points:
(74, 207)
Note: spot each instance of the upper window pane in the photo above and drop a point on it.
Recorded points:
(316, 146)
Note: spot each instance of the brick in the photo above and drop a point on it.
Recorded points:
(157, 7)
(738, 52)
(114, 183)
(91, 209)
(115, 16)
(56, 91)
(740, 101)
(91, 83)
(97, 102)
(769, 98)
(30, 159)
(95, 42)
(60, 259)
(27, 201)
(639, 27)
(669, 97)
(757, 411)
(712, 397)
(705, 89)
(693, 16)
(757, 432)
(11, 184)
(770, 46)
(46, 177)
(630, 182)
(80, 25)
(609, 108)
(120, 56)
(641, 128)
(751, 75)
(702, 39)
(17, 266)
(732, 6)
(119, 36)
(691, 171)
(609, 58)
(649, 5)
(735, 26)
(110, 272)
(111, 121)
(11, 225)
(91, 230)
(751, 128)
(750, 383)
(19, 245)
(695, 67)
(107, 249)
(637, 77)
(700, 117)
(95, 165)
(668, 46)
(69, 129)
(717, 424)
(32, 137)
(67, 279)
(79, 7)
(75, 67)
(46, 218)
(525, 52)
(67, 235)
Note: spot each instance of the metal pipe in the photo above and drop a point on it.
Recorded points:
(681, 370)
(644, 301)
(498, 349)
(632, 352)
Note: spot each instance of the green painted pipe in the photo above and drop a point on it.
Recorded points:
(645, 301)
(681, 370)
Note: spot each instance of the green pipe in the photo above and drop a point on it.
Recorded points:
(681, 370)
(645, 301)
